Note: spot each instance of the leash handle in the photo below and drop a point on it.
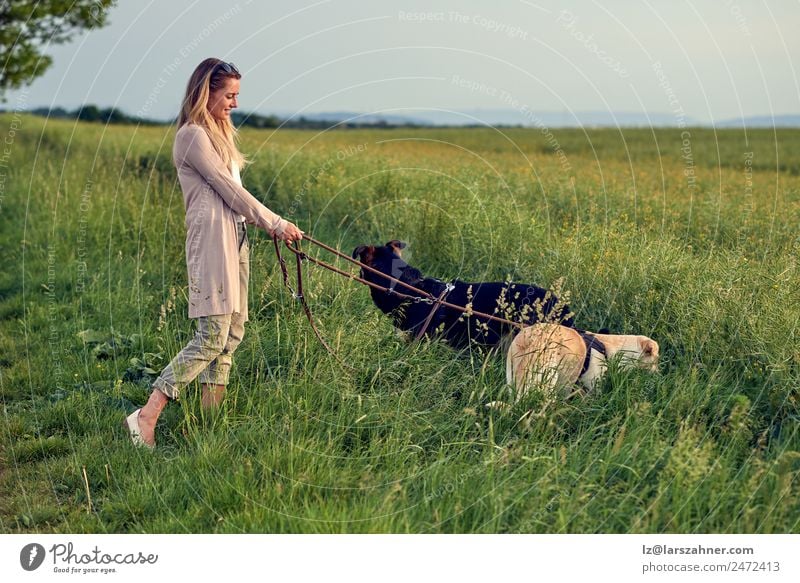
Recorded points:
(282, 263)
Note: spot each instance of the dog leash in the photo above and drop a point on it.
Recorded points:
(423, 297)
(299, 295)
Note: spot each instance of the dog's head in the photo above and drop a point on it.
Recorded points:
(632, 351)
(387, 259)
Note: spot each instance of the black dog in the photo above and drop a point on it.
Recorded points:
(523, 303)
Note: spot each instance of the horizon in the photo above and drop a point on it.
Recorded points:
(537, 119)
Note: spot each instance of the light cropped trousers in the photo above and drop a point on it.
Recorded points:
(209, 354)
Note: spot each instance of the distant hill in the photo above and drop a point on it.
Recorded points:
(762, 121)
(440, 118)
(502, 117)
(549, 119)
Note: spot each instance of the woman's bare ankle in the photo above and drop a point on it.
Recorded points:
(152, 409)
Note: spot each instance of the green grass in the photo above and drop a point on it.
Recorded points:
(92, 235)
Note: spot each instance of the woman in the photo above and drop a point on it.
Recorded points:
(217, 250)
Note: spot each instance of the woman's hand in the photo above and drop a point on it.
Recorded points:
(291, 233)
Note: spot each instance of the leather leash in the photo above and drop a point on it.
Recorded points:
(301, 296)
(423, 297)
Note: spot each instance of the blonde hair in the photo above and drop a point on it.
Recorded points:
(208, 77)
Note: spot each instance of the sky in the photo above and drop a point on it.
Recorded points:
(704, 60)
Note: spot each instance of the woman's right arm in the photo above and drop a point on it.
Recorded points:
(193, 146)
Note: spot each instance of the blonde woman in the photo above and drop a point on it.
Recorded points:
(217, 249)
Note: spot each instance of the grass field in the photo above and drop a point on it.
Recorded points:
(689, 237)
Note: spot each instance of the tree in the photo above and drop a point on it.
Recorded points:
(26, 26)
(89, 113)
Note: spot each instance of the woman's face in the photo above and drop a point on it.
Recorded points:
(224, 99)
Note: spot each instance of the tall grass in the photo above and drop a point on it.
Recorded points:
(93, 241)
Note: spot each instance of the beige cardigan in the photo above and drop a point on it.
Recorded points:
(213, 200)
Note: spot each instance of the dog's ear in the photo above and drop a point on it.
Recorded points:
(649, 347)
(396, 246)
(358, 251)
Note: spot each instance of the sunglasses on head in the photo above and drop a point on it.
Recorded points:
(228, 68)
